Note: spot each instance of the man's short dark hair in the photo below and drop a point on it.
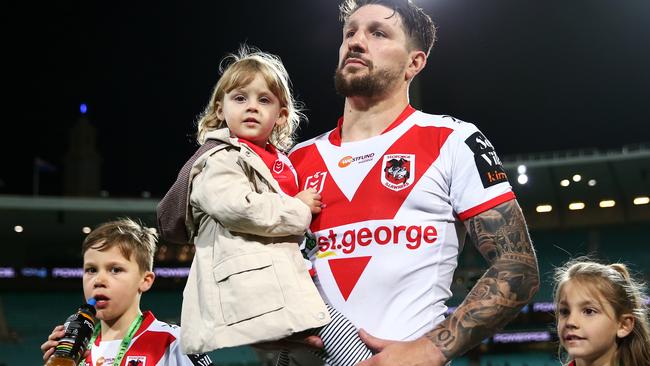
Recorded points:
(417, 24)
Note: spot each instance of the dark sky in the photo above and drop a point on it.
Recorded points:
(533, 75)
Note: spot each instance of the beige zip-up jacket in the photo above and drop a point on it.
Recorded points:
(248, 282)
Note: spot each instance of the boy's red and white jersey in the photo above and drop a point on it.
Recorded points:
(389, 236)
(155, 343)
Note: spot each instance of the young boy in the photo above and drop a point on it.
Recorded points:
(118, 263)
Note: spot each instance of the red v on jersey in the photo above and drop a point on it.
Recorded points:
(347, 271)
(340, 210)
(389, 236)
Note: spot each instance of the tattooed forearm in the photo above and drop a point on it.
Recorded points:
(501, 236)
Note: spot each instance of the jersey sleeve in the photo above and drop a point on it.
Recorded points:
(478, 180)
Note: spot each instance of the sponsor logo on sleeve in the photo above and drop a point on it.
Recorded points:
(399, 171)
(316, 181)
(487, 162)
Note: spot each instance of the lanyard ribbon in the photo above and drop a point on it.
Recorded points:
(124, 345)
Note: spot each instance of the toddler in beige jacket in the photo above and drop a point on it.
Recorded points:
(248, 282)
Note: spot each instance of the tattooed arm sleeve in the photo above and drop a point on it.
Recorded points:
(500, 234)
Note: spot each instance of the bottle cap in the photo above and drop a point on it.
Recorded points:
(91, 301)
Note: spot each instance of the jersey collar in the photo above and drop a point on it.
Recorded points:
(335, 135)
(147, 319)
(269, 155)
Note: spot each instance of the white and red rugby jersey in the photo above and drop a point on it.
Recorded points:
(389, 236)
(155, 343)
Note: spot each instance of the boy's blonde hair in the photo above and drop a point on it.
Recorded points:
(613, 284)
(129, 236)
(238, 70)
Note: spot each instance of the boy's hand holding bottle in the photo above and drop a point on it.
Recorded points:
(68, 344)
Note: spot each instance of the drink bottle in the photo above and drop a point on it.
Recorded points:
(79, 328)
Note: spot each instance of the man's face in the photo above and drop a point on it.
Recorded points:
(374, 52)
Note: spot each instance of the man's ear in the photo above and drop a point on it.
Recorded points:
(282, 117)
(625, 325)
(147, 281)
(417, 61)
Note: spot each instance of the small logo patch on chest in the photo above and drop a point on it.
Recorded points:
(278, 166)
(316, 181)
(398, 171)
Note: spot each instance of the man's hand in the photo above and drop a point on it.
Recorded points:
(295, 341)
(420, 352)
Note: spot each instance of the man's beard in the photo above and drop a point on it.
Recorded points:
(374, 83)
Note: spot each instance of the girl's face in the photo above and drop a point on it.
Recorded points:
(252, 111)
(588, 328)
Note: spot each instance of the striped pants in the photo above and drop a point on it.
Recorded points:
(343, 347)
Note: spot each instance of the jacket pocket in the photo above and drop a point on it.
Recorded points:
(248, 287)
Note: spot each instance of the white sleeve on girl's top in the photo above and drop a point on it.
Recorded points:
(478, 181)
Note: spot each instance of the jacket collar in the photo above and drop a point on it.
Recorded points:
(222, 135)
